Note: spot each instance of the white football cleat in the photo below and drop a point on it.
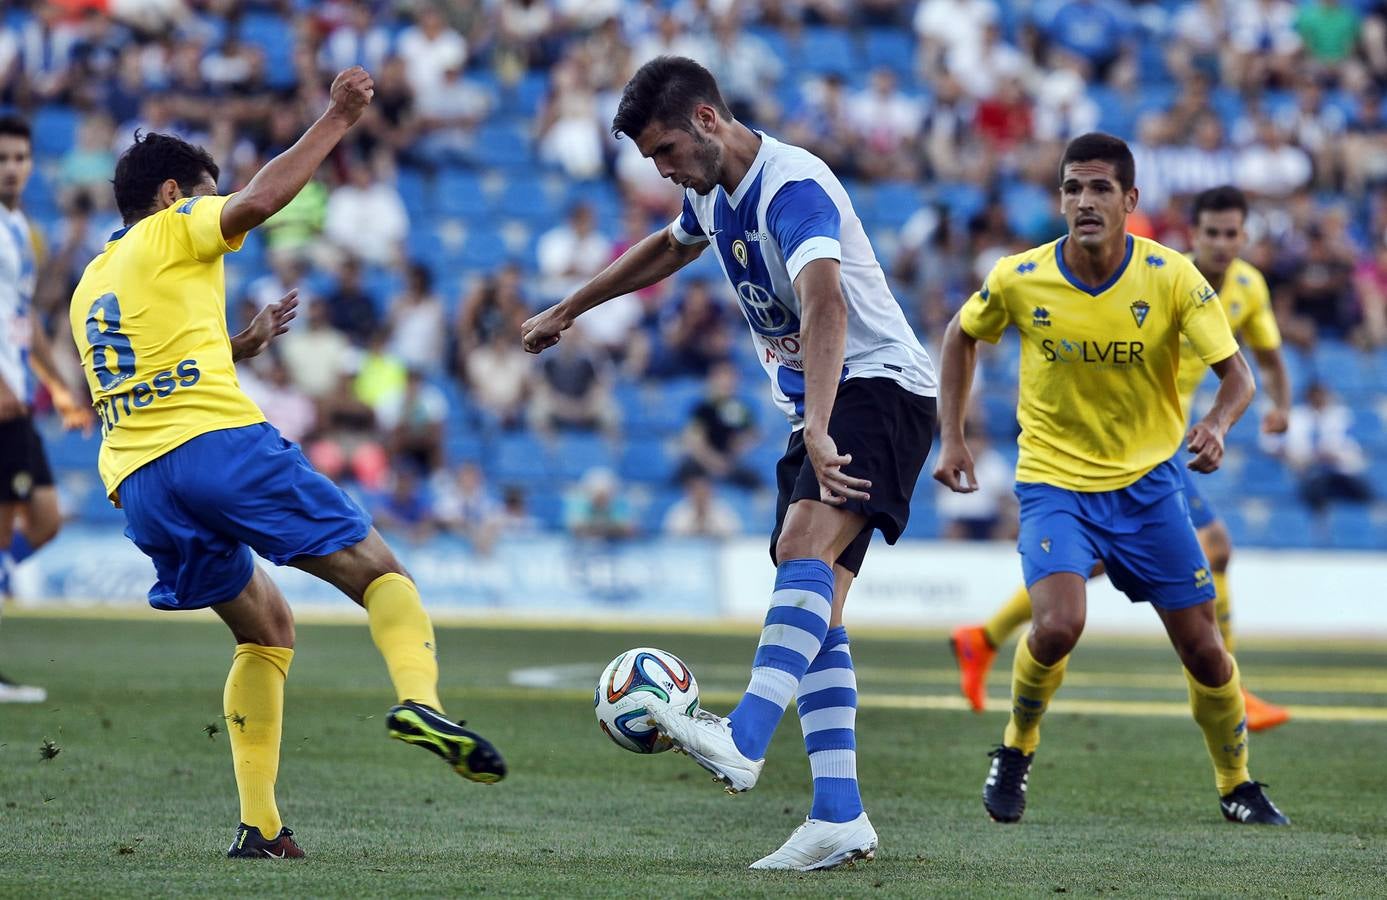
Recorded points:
(708, 739)
(823, 845)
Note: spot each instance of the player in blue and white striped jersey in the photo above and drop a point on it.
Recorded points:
(858, 391)
(29, 515)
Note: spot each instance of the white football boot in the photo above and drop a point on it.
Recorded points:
(823, 845)
(708, 739)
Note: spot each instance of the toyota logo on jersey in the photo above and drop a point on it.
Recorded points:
(768, 315)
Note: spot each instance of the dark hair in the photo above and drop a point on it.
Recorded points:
(149, 162)
(1219, 199)
(13, 126)
(666, 90)
(1098, 147)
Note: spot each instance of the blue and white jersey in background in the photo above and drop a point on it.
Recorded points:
(788, 210)
(17, 279)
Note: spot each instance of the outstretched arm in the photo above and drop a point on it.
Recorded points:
(1278, 385)
(958, 359)
(653, 259)
(823, 333)
(284, 176)
(1235, 391)
(73, 412)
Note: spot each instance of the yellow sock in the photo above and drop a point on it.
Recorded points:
(1223, 610)
(1220, 713)
(253, 703)
(1012, 615)
(1032, 685)
(404, 636)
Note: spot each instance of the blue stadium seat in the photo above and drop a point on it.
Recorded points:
(504, 145)
(520, 457)
(664, 407)
(924, 519)
(1266, 476)
(578, 452)
(55, 131)
(646, 460)
(68, 449)
(896, 202)
(483, 248)
(823, 50)
(462, 444)
(1351, 527)
(893, 48)
(526, 96)
(458, 192)
(275, 38)
(544, 499)
(661, 501)
(536, 201)
(963, 200)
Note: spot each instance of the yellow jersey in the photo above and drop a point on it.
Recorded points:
(149, 320)
(1247, 304)
(1099, 404)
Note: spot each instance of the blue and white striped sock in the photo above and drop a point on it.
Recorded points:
(793, 632)
(828, 718)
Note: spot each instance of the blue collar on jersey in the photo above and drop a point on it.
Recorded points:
(1072, 279)
(117, 235)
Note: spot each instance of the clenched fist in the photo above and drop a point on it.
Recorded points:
(351, 93)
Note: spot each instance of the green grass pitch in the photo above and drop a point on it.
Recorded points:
(140, 801)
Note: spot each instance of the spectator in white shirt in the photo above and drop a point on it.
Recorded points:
(571, 253)
(701, 513)
(417, 322)
(1318, 446)
(357, 41)
(946, 26)
(986, 514)
(430, 47)
(366, 216)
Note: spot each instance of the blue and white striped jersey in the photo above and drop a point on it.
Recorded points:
(18, 276)
(788, 210)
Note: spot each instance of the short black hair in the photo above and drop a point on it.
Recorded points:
(1219, 199)
(666, 90)
(149, 162)
(12, 125)
(1098, 147)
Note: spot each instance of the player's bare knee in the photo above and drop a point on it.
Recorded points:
(1209, 663)
(1054, 635)
(798, 546)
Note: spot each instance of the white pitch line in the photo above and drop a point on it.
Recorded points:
(565, 680)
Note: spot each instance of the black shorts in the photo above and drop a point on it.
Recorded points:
(23, 464)
(888, 430)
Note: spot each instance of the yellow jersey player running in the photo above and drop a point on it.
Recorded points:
(203, 479)
(1101, 316)
(1218, 218)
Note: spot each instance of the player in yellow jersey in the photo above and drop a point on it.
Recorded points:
(1101, 316)
(1218, 218)
(203, 479)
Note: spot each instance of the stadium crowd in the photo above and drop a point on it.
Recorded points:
(484, 184)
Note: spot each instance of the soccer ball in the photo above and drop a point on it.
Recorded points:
(630, 682)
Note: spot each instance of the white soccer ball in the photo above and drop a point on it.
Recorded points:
(633, 681)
